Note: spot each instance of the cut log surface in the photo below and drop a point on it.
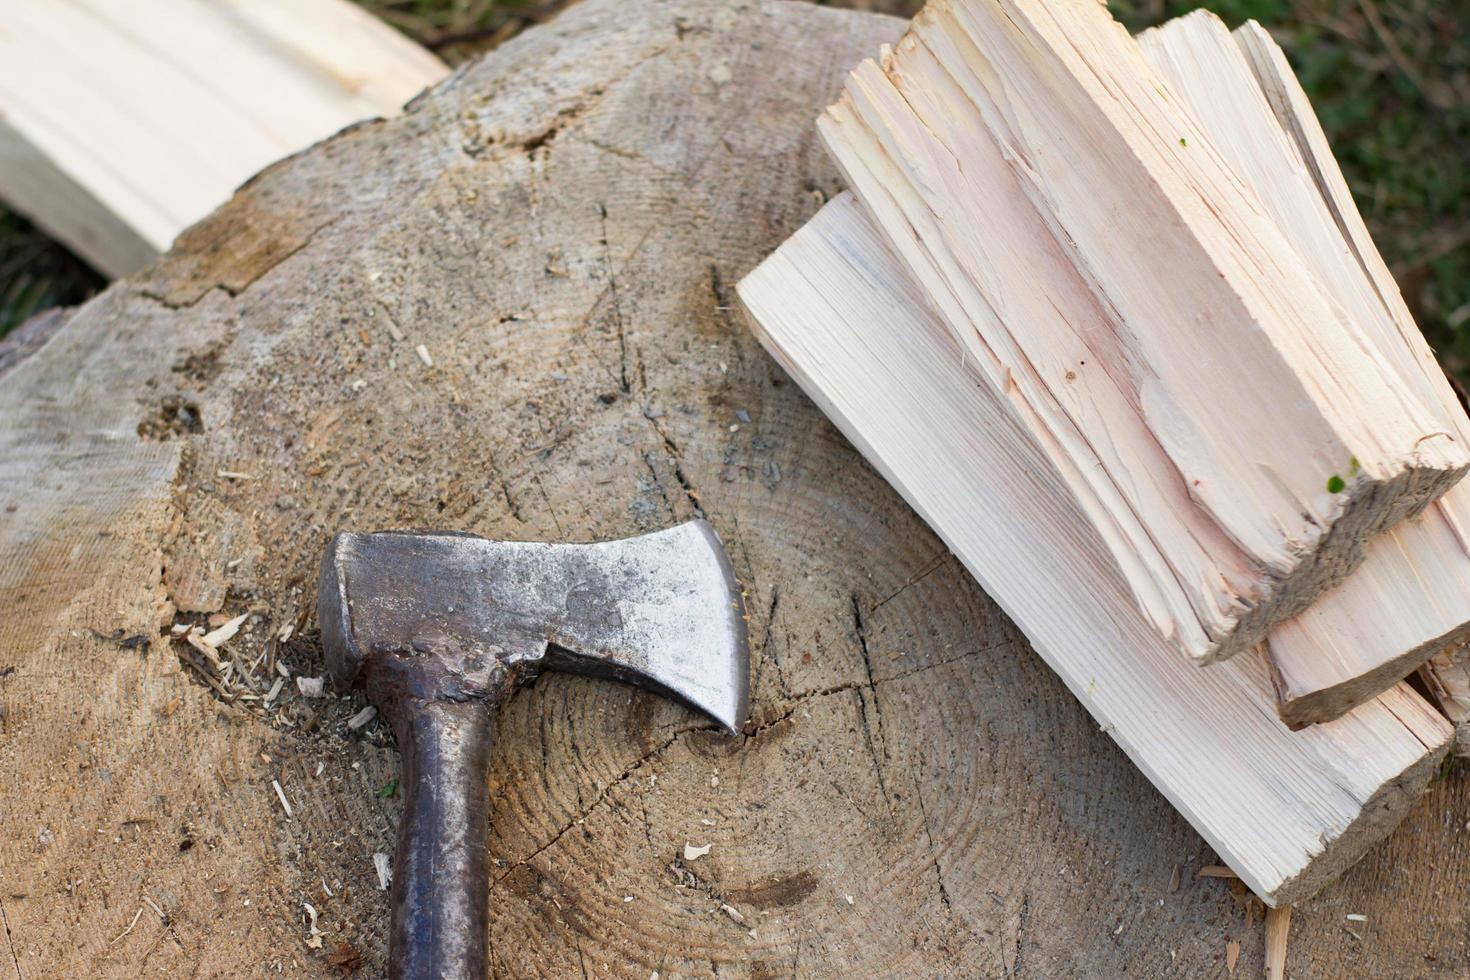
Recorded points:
(1287, 811)
(123, 124)
(1411, 596)
(1120, 288)
(916, 795)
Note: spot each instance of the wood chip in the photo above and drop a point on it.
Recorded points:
(732, 912)
(1232, 956)
(423, 353)
(392, 327)
(691, 852)
(136, 916)
(311, 687)
(384, 869)
(195, 639)
(362, 718)
(286, 631)
(275, 690)
(218, 637)
(1356, 917)
(281, 795)
(313, 934)
(1216, 871)
(1278, 923)
(233, 475)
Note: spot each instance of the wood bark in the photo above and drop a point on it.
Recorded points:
(121, 126)
(564, 251)
(1121, 290)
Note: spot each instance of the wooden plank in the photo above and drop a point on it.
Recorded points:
(1103, 267)
(126, 123)
(1287, 811)
(1411, 596)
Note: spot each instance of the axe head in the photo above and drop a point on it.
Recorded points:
(464, 616)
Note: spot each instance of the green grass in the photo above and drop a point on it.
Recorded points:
(1390, 80)
(36, 273)
(457, 29)
(1391, 83)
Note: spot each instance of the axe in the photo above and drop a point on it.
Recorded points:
(438, 628)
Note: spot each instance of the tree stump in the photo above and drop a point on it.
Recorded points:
(509, 312)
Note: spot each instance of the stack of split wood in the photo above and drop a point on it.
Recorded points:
(1103, 310)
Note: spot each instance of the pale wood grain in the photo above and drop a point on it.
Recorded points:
(1278, 927)
(1101, 265)
(1446, 676)
(1286, 811)
(123, 124)
(1411, 596)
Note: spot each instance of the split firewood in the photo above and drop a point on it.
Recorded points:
(1120, 291)
(1286, 810)
(1447, 678)
(123, 124)
(1411, 596)
(1278, 926)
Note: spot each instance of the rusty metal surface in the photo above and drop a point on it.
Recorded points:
(662, 611)
(438, 627)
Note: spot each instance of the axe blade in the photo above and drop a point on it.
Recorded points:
(661, 611)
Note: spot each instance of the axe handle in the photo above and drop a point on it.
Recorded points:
(440, 889)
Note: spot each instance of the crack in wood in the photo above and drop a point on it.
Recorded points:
(860, 628)
(929, 836)
(235, 289)
(584, 811)
(677, 459)
(1024, 918)
(629, 155)
(927, 569)
(10, 941)
(510, 501)
(659, 483)
(175, 306)
(765, 644)
(805, 696)
(617, 306)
